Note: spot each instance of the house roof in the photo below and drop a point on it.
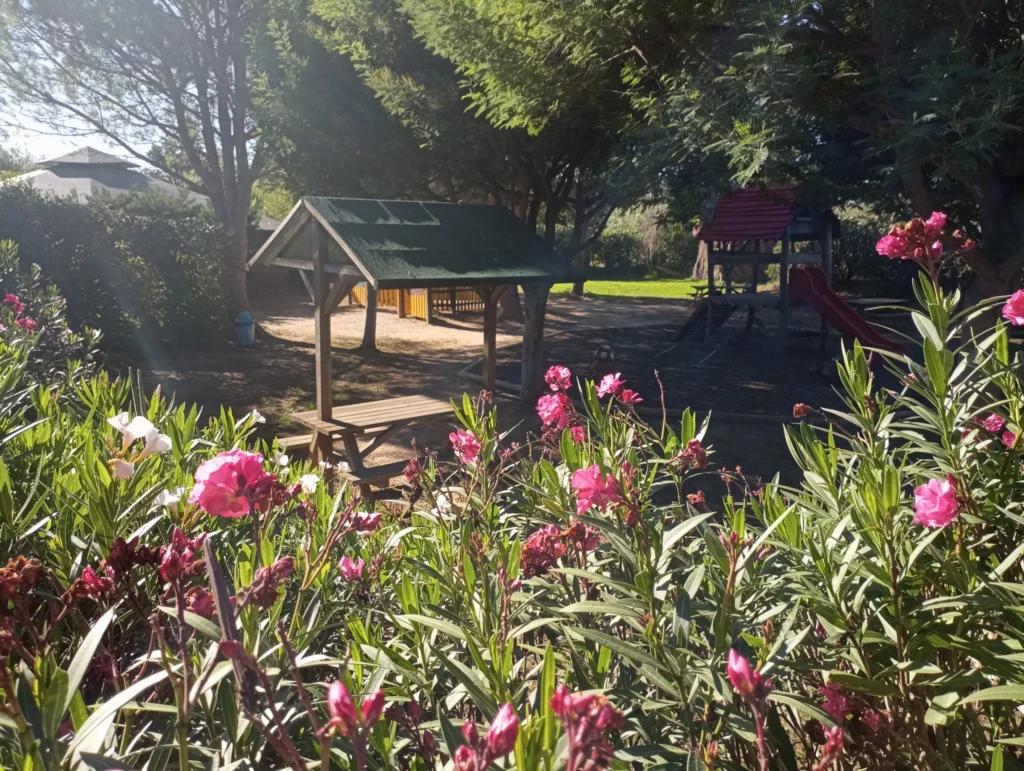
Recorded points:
(84, 179)
(416, 244)
(87, 156)
(752, 214)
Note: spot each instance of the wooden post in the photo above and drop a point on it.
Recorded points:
(370, 327)
(780, 344)
(430, 306)
(322, 324)
(452, 300)
(826, 260)
(401, 303)
(536, 296)
(711, 290)
(490, 362)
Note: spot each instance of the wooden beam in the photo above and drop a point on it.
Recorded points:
(370, 327)
(780, 343)
(430, 306)
(534, 309)
(322, 322)
(342, 286)
(400, 310)
(490, 361)
(308, 283)
(711, 289)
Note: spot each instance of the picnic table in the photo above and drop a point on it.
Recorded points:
(379, 419)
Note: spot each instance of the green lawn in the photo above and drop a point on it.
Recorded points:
(663, 288)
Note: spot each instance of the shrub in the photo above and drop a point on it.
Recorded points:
(581, 596)
(147, 270)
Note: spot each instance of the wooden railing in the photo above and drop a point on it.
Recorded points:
(413, 302)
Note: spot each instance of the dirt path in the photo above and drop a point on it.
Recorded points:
(277, 376)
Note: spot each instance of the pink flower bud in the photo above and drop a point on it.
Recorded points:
(469, 733)
(465, 759)
(341, 707)
(233, 649)
(170, 564)
(741, 675)
(372, 707)
(501, 737)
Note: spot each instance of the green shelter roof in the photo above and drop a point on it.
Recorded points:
(416, 244)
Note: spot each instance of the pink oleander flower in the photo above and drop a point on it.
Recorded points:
(578, 434)
(501, 736)
(98, 585)
(935, 503)
(586, 717)
(935, 223)
(836, 703)
(746, 681)
(222, 483)
(595, 489)
(27, 323)
(14, 303)
(893, 246)
(833, 749)
(1009, 438)
(1013, 311)
(610, 384)
(994, 423)
(465, 759)
(558, 378)
(351, 571)
(553, 409)
(366, 521)
(542, 550)
(200, 602)
(466, 445)
(629, 397)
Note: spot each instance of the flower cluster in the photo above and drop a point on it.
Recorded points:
(613, 385)
(262, 592)
(14, 304)
(586, 717)
(692, 456)
(478, 753)
(542, 550)
(465, 445)
(923, 241)
(182, 556)
(232, 484)
(122, 464)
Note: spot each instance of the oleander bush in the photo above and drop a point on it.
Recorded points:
(179, 596)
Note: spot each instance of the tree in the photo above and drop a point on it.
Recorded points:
(14, 162)
(905, 103)
(174, 72)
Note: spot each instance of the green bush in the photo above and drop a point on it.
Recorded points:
(146, 270)
(173, 600)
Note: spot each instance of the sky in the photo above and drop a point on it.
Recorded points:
(42, 142)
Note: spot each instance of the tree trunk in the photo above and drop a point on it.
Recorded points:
(509, 306)
(533, 342)
(240, 261)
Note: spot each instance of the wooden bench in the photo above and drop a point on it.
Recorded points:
(294, 443)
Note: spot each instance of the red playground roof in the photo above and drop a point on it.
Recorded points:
(751, 214)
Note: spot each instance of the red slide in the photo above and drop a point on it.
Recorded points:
(809, 284)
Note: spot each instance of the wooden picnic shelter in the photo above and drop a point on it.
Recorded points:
(404, 245)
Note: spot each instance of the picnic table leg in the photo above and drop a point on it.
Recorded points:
(321, 448)
(355, 462)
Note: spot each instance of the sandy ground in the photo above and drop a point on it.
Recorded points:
(277, 375)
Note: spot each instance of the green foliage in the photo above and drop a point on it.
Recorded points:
(145, 270)
(588, 559)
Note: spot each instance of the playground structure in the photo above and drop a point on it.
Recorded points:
(425, 304)
(741, 237)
